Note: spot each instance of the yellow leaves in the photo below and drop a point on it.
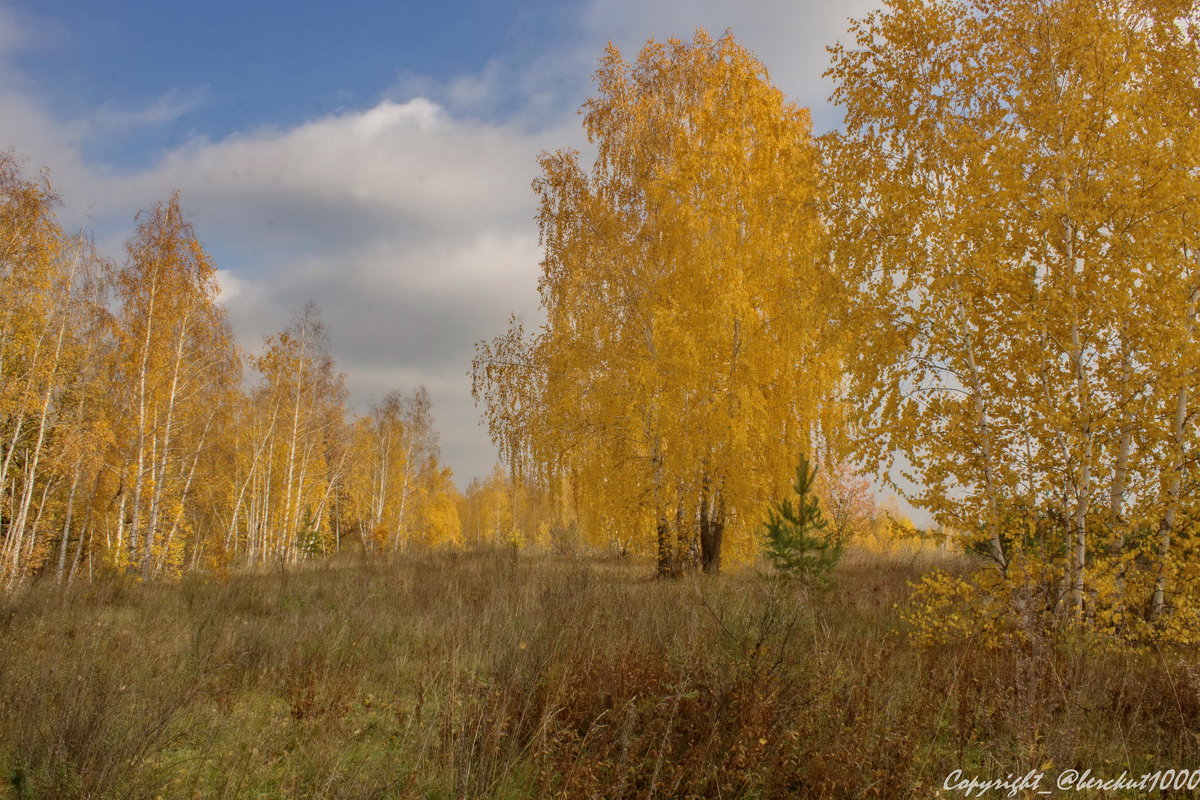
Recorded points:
(1027, 315)
(992, 611)
(52, 350)
(126, 439)
(438, 522)
(679, 278)
(946, 608)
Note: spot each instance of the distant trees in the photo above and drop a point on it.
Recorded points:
(54, 338)
(303, 458)
(499, 509)
(128, 441)
(687, 353)
(173, 376)
(404, 495)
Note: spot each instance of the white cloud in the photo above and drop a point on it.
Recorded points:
(108, 119)
(397, 165)
(231, 287)
(789, 37)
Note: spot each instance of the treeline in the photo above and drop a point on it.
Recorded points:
(984, 288)
(137, 436)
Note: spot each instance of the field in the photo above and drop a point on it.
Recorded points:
(489, 674)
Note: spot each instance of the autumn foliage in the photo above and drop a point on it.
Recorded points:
(1015, 203)
(982, 291)
(137, 437)
(687, 355)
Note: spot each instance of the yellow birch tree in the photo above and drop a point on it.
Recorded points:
(687, 356)
(1012, 210)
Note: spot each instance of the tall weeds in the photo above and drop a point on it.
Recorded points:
(480, 675)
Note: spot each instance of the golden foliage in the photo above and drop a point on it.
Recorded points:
(127, 441)
(687, 356)
(1013, 216)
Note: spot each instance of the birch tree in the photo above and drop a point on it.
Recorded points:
(1013, 209)
(687, 357)
(52, 340)
(178, 362)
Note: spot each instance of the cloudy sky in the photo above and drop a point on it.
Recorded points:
(373, 157)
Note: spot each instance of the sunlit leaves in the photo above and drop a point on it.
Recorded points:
(688, 354)
(1012, 205)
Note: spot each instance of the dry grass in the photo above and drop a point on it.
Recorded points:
(477, 675)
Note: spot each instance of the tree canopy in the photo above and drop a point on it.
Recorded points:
(688, 352)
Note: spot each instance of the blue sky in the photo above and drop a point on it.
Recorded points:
(373, 157)
(239, 66)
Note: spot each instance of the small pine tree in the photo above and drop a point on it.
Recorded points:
(797, 540)
(308, 537)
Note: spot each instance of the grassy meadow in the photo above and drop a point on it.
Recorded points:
(493, 674)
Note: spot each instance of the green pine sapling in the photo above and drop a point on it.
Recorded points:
(797, 537)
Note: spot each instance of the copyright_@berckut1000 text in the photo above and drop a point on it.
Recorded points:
(1070, 780)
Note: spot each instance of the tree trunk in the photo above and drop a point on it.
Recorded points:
(667, 566)
(64, 545)
(712, 531)
(995, 546)
(1167, 526)
(1083, 485)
